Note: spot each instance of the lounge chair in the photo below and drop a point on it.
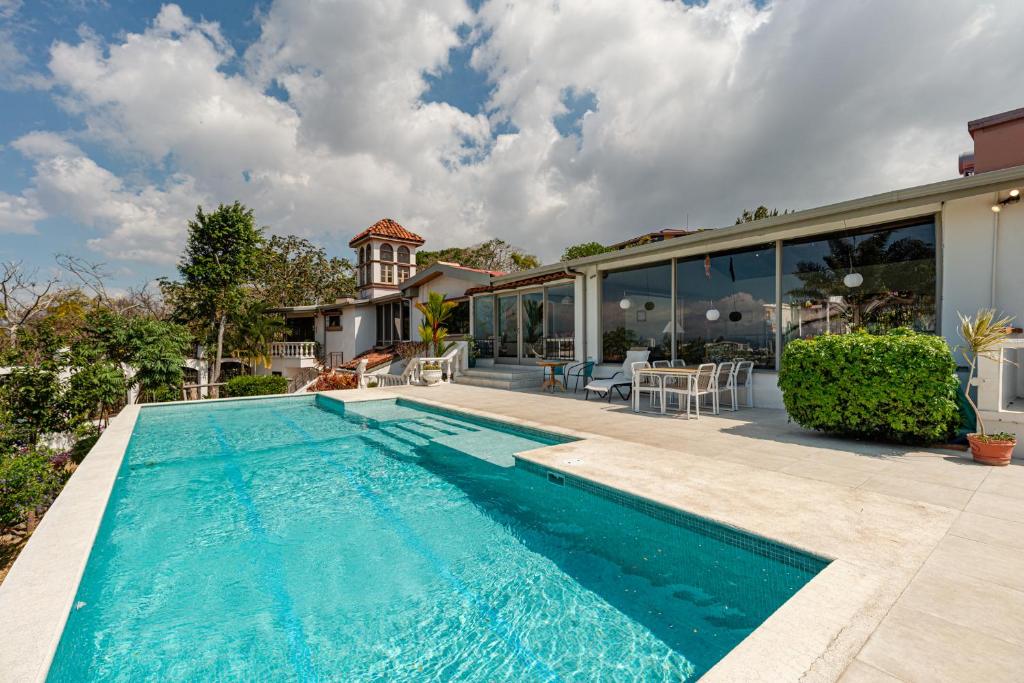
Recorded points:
(621, 379)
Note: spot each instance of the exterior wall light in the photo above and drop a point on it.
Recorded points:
(1014, 193)
(996, 208)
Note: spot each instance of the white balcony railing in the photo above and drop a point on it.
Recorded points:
(293, 349)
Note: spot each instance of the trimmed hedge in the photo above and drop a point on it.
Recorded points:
(256, 385)
(899, 386)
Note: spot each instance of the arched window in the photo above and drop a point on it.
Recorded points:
(387, 253)
(403, 254)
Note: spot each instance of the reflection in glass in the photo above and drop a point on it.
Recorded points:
(458, 323)
(508, 326)
(533, 324)
(561, 330)
(725, 307)
(483, 325)
(636, 310)
(897, 270)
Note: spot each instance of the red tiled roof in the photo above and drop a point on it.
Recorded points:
(387, 229)
(525, 282)
(373, 359)
(493, 273)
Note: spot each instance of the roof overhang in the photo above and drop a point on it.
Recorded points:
(895, 204)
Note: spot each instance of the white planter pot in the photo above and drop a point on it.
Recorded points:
(432, 377)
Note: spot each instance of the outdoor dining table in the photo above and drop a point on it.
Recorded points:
(660, 374)
(551, 380)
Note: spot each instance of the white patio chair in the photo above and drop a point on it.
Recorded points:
(644, 383)
(744, 380)
(622, 378)
(725, 380)
(694, 387)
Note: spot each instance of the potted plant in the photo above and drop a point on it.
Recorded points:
(982, 336)
(436, 312)
(431, 373)
(471, 348)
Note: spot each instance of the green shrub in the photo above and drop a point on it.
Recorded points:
(256, 385)
(900, 386)
(27, 480)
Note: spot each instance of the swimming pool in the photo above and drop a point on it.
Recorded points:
(305, 539)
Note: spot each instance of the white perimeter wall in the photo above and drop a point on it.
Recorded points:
(968, 235)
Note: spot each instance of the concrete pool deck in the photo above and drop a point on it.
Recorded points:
(927, 578)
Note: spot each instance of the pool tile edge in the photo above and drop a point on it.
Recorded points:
(38, 593)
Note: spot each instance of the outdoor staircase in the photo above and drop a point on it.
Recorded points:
(422, 434)
(502, 377)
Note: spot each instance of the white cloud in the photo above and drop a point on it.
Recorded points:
(701, 110)
(19, 214)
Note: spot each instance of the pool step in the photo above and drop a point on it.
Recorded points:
(503, 377)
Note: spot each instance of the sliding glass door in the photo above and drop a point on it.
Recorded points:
(508, 326)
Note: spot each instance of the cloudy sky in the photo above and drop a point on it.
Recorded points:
(542, 122)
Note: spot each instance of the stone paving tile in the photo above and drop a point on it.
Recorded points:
(1008, 482)
(973, 603)
(936, 494)
(824, 471)
(994, 505)
(918, 647)
(999, 564)
(989, 530)
(859, 672)
(952, 471)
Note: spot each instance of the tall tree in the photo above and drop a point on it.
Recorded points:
(222, 255)
(757, 214)
(584, 249)
(253, 329)
(294, 272)
(493, 254)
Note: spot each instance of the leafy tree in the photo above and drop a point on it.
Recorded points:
(96, 389)
(493, 254)
(584, 249)
(294, 272)
(35, 402)
(436, 312)
(759, 213)
(221, 256)
(252, 331)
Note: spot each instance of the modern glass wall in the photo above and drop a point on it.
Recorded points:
(874, 279)
(392, 322)
(483, 325)
(533, 323)
(560, 339)
(636, 310)
(725, 307)
(508, 326)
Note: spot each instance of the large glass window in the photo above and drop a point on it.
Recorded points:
(508, 326)
(458, 323)
(403, 254)
(561, 313)
(533, 324)
(725, 307)
(392, 322)
(387, 253)
(636, 310)
(483, 325)
(873, 279)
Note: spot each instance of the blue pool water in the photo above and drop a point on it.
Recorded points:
(302, 539)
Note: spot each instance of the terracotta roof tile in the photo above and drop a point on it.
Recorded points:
(373, 359)
(525, 282)
(387, 229)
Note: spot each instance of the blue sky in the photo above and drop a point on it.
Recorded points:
(542, 123)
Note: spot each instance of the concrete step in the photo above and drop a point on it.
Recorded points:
(510, 372)
(498, 383)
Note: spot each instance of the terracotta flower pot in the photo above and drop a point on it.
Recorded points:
(991, 452)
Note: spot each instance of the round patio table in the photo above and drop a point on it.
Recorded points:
(551, 380)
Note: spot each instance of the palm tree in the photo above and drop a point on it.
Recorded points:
(436, 312)
(982, 336)
(253, 330)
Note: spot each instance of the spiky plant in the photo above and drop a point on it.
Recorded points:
(436, 312)
(982, 335)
